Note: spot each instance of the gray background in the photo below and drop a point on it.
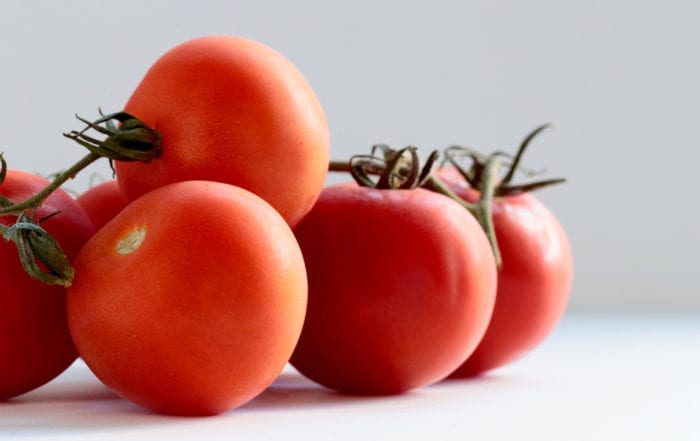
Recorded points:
(619, 79)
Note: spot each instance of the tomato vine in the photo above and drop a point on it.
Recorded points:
(401, 169)
(40, 254)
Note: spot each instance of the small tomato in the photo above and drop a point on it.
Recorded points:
(102, 202)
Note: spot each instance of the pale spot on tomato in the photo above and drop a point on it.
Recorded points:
(132, 241)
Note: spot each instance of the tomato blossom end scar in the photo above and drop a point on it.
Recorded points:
(132, 241)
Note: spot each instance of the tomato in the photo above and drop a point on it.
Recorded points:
(190, 301)
(533, 283)
(102, 202)
(401, 288)
(35, 345)
(232, 110)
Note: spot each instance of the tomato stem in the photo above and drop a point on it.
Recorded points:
(360, 166)
(473, 174)
(131, 141)
(519, 154)
(481, 210)
(36, 200)
(483, 176)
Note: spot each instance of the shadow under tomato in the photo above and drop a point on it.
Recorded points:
(75, 401)
(70, 391)
(78, 402)
(293, 390)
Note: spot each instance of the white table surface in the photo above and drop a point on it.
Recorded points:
(598, 377)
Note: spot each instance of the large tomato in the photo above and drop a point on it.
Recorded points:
(35, 345)
(102, 202)
(232, 110)
(401, 288)
(190, 301)
(533, 282)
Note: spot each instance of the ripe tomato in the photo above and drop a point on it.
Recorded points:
(533, 283)
(232, 110)
(102, 202)
(190, 301)
(401, 288)
(35, 345)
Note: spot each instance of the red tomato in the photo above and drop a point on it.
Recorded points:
(232, 110)
(190, 301)
(533, 283)
(35, 345)
(401, 288)
(102, 202)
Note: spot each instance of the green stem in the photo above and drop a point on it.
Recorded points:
(34, 244)
(344, 166)
(485, 203)
(481, 210)
(518, 156)
(40, 254)
(36, 200)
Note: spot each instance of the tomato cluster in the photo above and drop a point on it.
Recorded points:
(217, 256)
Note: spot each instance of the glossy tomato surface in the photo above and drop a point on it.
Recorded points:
(102, 202)
(190, 301)
(401, 289)
(533, 284)
(35, 345)
(232, 110)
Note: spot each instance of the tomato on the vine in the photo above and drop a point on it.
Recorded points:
(534, 280)
(401, 288)
(35, 345)
(190, 301)
(102, 202)
(232, 110)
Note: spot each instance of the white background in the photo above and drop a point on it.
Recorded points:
(619, 79)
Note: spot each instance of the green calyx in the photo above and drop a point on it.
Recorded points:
(397, 169)
(401, 169)
(40, 254)
(132, 140)
(474, 173)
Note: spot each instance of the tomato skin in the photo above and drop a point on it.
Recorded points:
(401, 288)
(204, 313)
(232, 110)
(35, 345)
(533, 284)
(102, 202)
